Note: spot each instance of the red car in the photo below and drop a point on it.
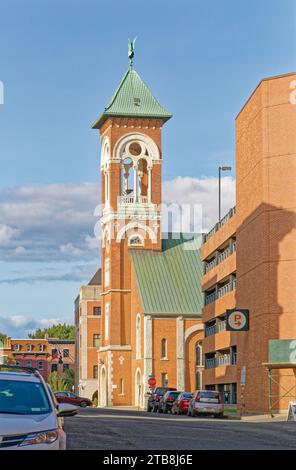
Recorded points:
(180, 406)
(69, 397)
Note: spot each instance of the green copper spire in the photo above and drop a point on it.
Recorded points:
(132, 98)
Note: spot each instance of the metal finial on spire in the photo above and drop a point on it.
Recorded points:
(131, 50)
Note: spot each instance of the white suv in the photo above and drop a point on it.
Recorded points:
(29, 416)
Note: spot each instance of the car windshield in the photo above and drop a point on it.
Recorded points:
(20, 397)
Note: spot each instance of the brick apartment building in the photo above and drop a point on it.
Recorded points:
(46, 355)
(250, 257)
(88, 332)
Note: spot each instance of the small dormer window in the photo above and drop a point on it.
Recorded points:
(16, 347)
(29, 347)
(41, 347)
(137, 101)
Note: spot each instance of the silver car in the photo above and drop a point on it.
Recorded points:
(206, 402)
(30, 419)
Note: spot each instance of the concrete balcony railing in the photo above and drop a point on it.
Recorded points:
(220, 224)
(221, 361)
(215, 329)
(133, 200)
(220, 292)
(220, 257)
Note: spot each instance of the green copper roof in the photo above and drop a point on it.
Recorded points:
(169, 282)
(132, 99)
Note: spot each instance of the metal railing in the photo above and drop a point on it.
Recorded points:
(214, 329)
(220, 257)
(220, 292)
(220, 224)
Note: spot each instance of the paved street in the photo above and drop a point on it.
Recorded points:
(106, 429)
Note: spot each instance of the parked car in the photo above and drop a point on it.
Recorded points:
(166, 402)
(180, 406)
(29, 417)
(206, 402)
(156, 395)
(69, 397)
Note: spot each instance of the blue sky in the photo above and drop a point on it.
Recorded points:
(60, 61)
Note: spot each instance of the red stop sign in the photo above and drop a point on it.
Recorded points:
(152, 382)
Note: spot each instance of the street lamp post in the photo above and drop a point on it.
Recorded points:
(222, 168)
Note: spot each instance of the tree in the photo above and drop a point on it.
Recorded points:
(60, 331)
(3, 338)
(69, 379)
(56, 382)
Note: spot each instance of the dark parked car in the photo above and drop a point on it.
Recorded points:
(156, 395)
(69, 397)
(180, 406)
(166, 402)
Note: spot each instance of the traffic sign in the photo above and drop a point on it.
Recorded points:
(152, 382)
(237, 320)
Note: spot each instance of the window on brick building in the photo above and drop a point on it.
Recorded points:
(164, 379)
(66, 367)
(28, 363)
(96, 340)
(198, 354)
(97, 311)
(121, 387)
(95, 372)
(40, 365)
(107, 321)
(54, 367)
(163, 348)
(66, 353)
(138, 337)
(107, 272)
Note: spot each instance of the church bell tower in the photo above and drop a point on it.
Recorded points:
(131, 158)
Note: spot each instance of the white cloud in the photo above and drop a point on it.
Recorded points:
(202, 191)
(6, 234)
(18, 326)
(56, 222)
(70, 249)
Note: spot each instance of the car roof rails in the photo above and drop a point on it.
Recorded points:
(14, 368)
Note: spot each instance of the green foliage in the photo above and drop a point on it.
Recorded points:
(60, 331)
(56, 382)
(3, 337)
(69, 379)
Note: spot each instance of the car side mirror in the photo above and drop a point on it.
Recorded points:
(65, 410)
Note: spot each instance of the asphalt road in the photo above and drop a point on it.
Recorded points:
(111, 429)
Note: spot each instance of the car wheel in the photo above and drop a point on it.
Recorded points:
(83, 404)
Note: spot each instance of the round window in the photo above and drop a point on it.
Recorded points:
(135, 149)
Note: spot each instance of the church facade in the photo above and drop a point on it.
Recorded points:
(151, 298)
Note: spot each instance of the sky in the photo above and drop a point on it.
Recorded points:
(60, 62)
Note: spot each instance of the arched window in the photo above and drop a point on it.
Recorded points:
(138, 337)
(121, 387)
(107, 321)
(163, 348)
(198, 354)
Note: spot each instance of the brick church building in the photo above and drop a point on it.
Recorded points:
(151, 298)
